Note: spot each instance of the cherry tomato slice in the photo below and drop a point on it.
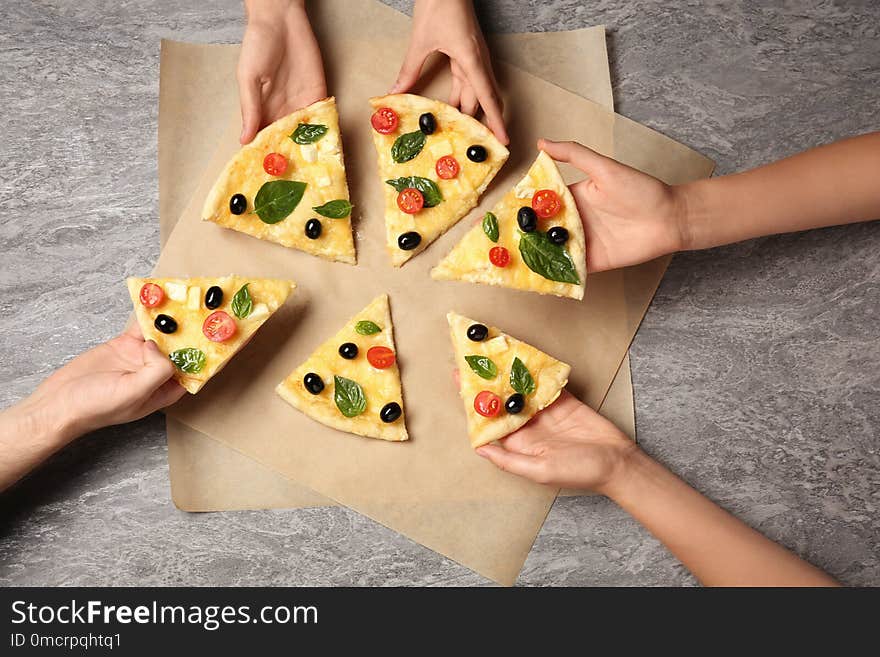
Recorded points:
(219, 326)
(487, 404)
(380, 357)
(410, 200)
(499, 256)
(546, 203)
(384, 120)
(275, 164)
(447, 167)
(152, 295)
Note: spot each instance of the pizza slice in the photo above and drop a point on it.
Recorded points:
(532, 240)
(435, 162)
(200, 323)
(288, 186)
(351, 382)
(503, 382)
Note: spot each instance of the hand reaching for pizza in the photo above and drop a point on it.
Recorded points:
(451, 27)
(629, 217)
(280, 68)
(567, 444)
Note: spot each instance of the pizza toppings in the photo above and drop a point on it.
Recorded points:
(313, 229)
(151, 295)
(427, 123)
(515, 403)
(380, 357)
(520, 378)
(410, 200)
(213, 297)
(546, 203)
(237, 204)
(219, 327)
(547, 259)
(390, 412)
(336, 209)
(276, 199)
(527, 219)
(275, 164)
(409, 241)
(165, 324)
(558, 235)
(313, 383)
(477, 153)
(499, 256)
(487, 403)
(447, 167)
(428, 188)
(408, 146)
(366, 327)
(189, 360)
(348, 350)
(242, 303)
(308, 133)
(477, 332)
(490, 226)
(483, 366)
(384, 120)
(349, 396)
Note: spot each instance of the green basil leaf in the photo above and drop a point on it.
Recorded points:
(547, 259)
(366, 327)
(520, 379)
(189, 360)
(277, 199)
(338, 209)
(428, 188)
(490, 226)
(242, 304)
(407, 146)
(308, 133)
(483, 366)
(349, 396)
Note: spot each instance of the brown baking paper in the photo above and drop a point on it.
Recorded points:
(432, 488)
(194, 98)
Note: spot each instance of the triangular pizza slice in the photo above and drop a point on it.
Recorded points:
(503, 382)
(532, 240)
(200, 323)
(434, 162)
(288, 186)
(351, 382)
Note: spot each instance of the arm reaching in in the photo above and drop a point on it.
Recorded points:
(631, 217)
(570, 445)
(280, 68)
(121, 380)
(451, 27)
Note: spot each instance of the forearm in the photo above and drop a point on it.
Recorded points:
(30, 432)
(716, 547)
(825, 186)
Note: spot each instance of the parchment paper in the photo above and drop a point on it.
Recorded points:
(205, 475)
(432, 489)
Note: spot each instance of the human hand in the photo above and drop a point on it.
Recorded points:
(280, 68)
(451, 27)
(629, 217)
(568, 444)
(118, 381)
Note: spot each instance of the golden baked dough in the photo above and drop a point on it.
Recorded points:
(373, 387)
(184, 302)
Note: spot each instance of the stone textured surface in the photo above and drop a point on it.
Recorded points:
(757, 369)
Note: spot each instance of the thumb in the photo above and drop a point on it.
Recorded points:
(156, 370)
(249, 97)
(585, 159)
(516, 463)
(409, 70)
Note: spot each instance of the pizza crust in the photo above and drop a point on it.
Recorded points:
(380, 385)
(550, 376)
(455, 132)
(469, 259)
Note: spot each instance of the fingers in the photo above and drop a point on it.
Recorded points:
(168, 393)
(250, 98)
(156, 370)
(469, 103)
(523, 465)
(455, 91)
(585, 159)
(410, 70)
(487, 96)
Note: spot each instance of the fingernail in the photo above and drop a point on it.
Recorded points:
(480, 451)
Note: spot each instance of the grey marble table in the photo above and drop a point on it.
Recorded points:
(757, 369)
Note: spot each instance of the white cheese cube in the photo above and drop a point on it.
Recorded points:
(524, 188)
(328, 143)
(496, 345)
(175, 291)
(439, 147)
(323, 181)
(194, 298)
(259, 311)
(309, 152)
